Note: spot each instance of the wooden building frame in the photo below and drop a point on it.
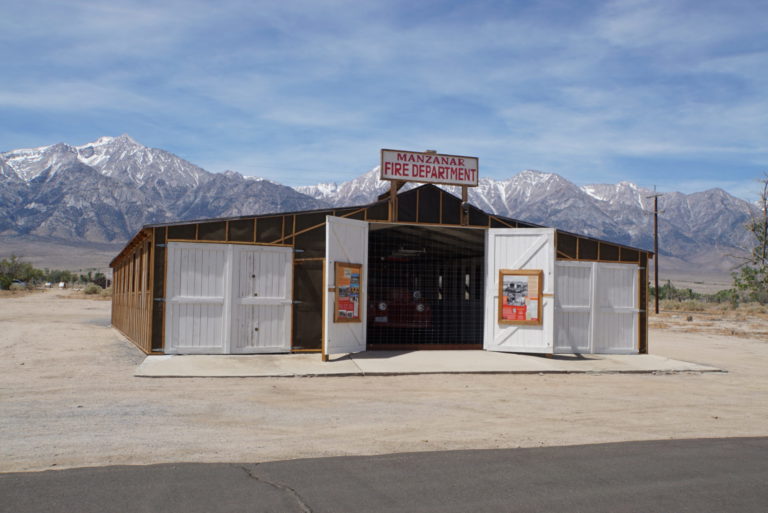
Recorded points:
(138, 307)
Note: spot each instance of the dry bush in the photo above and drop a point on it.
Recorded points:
(723, 307)
(753, 308)
(92, 289)
(684, 306)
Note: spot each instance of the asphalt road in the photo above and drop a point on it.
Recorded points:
(714, 475)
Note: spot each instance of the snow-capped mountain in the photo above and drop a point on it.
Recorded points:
(121, 158)
(691, 225)
(105, 190)
(360, 191)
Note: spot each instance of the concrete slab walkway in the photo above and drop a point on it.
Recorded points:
(384, 363)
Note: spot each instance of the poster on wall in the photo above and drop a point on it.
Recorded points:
(520, 296)
(347, 287)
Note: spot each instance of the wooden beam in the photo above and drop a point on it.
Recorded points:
(464, 200)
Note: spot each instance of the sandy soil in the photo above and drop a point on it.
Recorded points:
(68, 398)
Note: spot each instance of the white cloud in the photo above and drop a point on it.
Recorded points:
(319, 87)
(73, 96)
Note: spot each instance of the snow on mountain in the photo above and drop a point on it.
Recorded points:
(120, 157)
(105, 190)
(690, 225)
(359, 191)
(28, 164)
(623, 192)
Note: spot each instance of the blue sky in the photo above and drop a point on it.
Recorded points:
(672, 93)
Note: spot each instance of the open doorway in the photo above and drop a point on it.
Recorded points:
(425, 287)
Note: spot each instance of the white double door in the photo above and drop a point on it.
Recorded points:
(228, 298)
(587, 307)
(597, 308)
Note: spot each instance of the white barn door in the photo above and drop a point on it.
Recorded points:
(574, 304)
(596, 308)
(346, 241)
(519, 249)
(196, 298)
(616, 309)
(261, 299)
(227, 298)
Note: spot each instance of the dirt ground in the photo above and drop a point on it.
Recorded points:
(68, 398)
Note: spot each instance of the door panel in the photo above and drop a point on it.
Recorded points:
(519, 249)
(346, 240)
(616, 309)
(196, 289)
(261, 304)
(573, 307)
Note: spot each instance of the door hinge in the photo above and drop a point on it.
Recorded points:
(298, 250)
(161, 245)
(160, 299)
(296, 302)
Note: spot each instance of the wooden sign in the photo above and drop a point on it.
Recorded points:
(520, 296)
(348, 284)
(411, 166)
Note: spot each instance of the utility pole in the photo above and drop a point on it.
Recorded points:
(655, 197)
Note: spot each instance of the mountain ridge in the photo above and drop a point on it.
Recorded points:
(105, 190)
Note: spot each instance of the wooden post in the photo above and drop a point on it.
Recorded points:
(656, 248)
(393, 187)
(464, 200)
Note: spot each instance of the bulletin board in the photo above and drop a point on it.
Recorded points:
(347, 285)
(520, 296)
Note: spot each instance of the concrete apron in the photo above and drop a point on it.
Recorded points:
(385, 363)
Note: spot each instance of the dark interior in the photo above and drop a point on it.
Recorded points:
(425, 286)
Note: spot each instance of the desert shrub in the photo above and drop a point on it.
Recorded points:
(92, 288)
(685, 306)
(753, 308)
(17, 287)
(670, 304)
(107, 292)
(694, 306)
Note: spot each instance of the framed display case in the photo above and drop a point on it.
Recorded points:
(347, 282)
(520, 296)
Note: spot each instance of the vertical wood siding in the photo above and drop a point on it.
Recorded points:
(132, 293)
